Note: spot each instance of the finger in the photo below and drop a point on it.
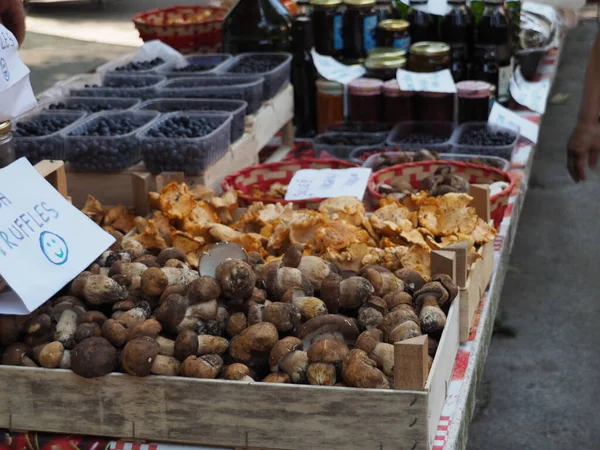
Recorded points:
(593, 158)
(571, 168)
(14, 20)
(577, 166)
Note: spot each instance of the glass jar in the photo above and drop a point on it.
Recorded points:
(435, 106)
(393, 33)
(326, 17)
(330, 104)
(398, 105)
(474, 99)
(429, 57)
(364, 98)
(388, 52)
(383, 67)
(359, 25)
(7, 150)
(423, 25)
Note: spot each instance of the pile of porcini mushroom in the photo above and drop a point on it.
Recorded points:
(295, 320)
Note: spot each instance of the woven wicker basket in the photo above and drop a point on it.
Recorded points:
(417, 171)
(188, 29)
(280, 172)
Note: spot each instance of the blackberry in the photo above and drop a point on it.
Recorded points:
(140, 66)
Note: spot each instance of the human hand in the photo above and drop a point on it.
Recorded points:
(12, 16)
(583, 144)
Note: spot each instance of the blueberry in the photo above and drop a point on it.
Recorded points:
(195, 67)
(486, 137)
(349, 139)
(423, 138)
(142, 65)
(256, 64)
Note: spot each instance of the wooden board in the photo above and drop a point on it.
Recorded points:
(54, 173)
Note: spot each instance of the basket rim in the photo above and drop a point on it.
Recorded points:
(506, 191)
(139, 18)
(228, 182)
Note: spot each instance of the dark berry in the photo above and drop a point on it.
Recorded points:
(256, 64)
(486, 137)
(349, 139)
(422, 138)
(139, 66)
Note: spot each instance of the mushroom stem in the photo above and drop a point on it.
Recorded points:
(66, 328)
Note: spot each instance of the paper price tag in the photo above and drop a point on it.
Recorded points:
(45, 241)
(438, 7)
(15, 88)
(499, 115)
(332, 70)
(327, 183)
(532, 95)
(441, 81)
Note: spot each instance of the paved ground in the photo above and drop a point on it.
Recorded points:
(540, 389)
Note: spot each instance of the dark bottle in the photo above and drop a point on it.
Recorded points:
(494, 30)
(326, 18)
(456, 30)
(485, 65)
(360, 24)
(257, 26)
(423, 25)
(401, 9)
(304, 77)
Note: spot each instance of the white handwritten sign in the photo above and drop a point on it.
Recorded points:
(45, 242)
(532, 95)
(441, 81)
(327, 183)
(15, 89)
(332, 70)
(499, 115)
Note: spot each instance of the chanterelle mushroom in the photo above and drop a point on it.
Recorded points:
(329, 326)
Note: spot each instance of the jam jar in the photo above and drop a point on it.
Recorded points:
(474, 101)
(429, 56)
(384, 67)
(359, 27)
(364, 96)
(398, 105)
(7, 150)
(326, 17)
(435, 106)
(330, 104)
(393, 33)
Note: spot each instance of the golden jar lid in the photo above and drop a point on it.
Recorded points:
(326, 3)
(385, 63)
(387, 52)
(393, 25)
(4, 128)
(360, 3)
(428, 48)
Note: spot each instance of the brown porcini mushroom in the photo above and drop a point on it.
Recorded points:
(208, 344)
(382, 353)
(207, 366)
(383, 282)
(165, 365)
(277, 377)
(9, 331)
(202, 290)
(237, 372)
(358, 370)
(139, 355)
(170, 253)
(100, 289)
(285, 316)
(154, 281)
(325, 358)
(115, 333)
(186, 344)
(309, 307)
(256, 339)
(354, 292)
(51, 355)
(93, 357)
(66, 328)
(316, 270)
(279, 280)
(236, 279)
(413, 281)
(172, 311)
(15, 353)
(87, 330)
(149, 327)
(330, 326)
(400, 324)
(292, 256)
(236, 323)
(287, 356)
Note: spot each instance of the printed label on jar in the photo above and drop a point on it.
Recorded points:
(504, 74)
(370, 24)
(338, 42)
(402, 43)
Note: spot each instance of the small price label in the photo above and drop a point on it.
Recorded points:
(499, 115)
(332, 70)
(441, 81)
(327, 183)
(532, 95)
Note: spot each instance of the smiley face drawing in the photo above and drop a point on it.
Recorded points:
(54, 248)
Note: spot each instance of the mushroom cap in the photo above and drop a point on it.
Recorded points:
(433, 319)
(172, 289)
(166, 365)
(9, 331)
(94, 316)
(293, 256)
(148, 260)
(377, 303)
(330, 292)
(87, 330)
(321, 374)
(355, 291)
(369, 318)
(368, 340)
(309, 307)
(358, 370)
(432, 288)
(448, 283)
(236, 324)
(207, 366)
(93, 357)
(208, 344)
(14, 353)
(328, 351)
(393, 299)
(413, 281)
(291, 294)
(236, 371)
(382, 281)
(260, 337)
(280, 280)
(170, 253)
(114, 332)
(285, 316)
(277, 377)
(171, 311)
(149, 327)
(186, 344)
(375, 267)
(316, 269)
(139, 355)
(283, 348)
(51, 355)
(236, 278)
(203, 289)
(123, 305)
(329, 323)
(154, 281)
(395, 318)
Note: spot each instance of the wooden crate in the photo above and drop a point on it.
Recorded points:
(129, 187)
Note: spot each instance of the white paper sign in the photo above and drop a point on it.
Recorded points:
(441, 81)
(438, 7)
(332, 70)
(327, 183)
(533, 95)
(16, 94)
(45, 241)
(499, 115)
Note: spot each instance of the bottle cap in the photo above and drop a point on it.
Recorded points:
(330, 87)
(429, 48)
(393, 25)
(473, 89)
(365, 86)
(4, 128)
(384, 62)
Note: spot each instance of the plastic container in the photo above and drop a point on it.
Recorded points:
(211, 61)
(237, 108)
(529, 61)
(249, 89)
(79, 104)
(51, 146)
(501, 151)
(340, 145)
(146, 87)
(442, 130)
(105, 153)
(111, 66)
(189, 155)
(275, 79)
(360, 127)
(491, 161)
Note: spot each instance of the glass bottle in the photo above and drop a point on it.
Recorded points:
(456, 30)
(304, 76)
(476, 7)
(401, 8)
(485, 65)
(423, 25)
(326, 17)
(257, 26)
(360, 23)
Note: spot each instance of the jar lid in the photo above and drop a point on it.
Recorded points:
(330, 87)
(428, 48)
(387, 52)
(394, 25)
(326, 3)
(4, 128)
(391, 88)
(365, 86)
(384, 62)
(360, 3)
(473, 89)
